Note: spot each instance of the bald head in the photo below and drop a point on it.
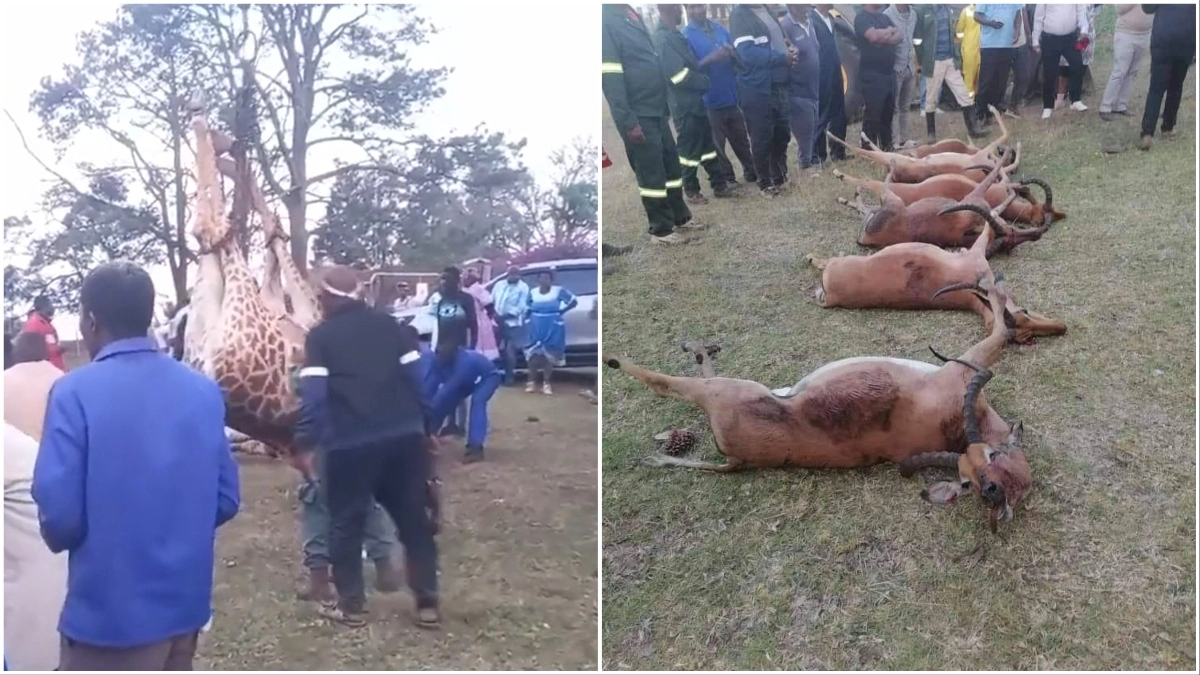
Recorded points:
(29, 347)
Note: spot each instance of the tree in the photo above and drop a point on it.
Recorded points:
(343, 78)
(132, 77)
(98, 226)
(452, 201)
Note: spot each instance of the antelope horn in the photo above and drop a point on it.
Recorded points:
(1044, 185)
(981, 167)
(997, 225)
(925, 460)
(963, 286)
(982, 375)
(946, 359)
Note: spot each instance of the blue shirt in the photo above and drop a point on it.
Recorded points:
(511, 301)
(943, 47)
(805, 76)
(133, 477)
(704, 40)
(455, 382)
(997, 38)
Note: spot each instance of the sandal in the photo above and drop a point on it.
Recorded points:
(349, 619)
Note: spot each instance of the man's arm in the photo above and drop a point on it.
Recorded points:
(676, 69)
(754, 52)
(60, 472)
(314, 393)
(1039, 22)
(1081, 20)
(1124, 9)
(1149, 9)
(468, 305)
(612, 80)
(876, 36)
(229, 495)
(983, 20)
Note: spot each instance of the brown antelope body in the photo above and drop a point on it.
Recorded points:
(944, 145)
(938, 220)
(1024, 208)
(851, 413)
(909, 276)
(916, 169)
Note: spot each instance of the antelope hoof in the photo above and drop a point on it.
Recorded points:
(839, 175)
(655, 460)
(820, 295)
(843, 201)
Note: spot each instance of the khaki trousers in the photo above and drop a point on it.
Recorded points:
(944, 71)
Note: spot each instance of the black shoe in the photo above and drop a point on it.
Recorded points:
(930, 128)
(473, 456)
(1122, 113)
(973, 129)
(750, 178)
(726, 191)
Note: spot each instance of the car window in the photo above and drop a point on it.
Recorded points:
(578, 280)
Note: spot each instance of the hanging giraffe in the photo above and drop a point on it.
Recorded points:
(233, 336)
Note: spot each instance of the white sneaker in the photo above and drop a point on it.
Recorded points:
(546, 389)
(1078, 106)
(530, 387)
(1046, 113)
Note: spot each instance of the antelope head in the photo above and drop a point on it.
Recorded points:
(1025, 324)
(1043, 212)
(998, 474)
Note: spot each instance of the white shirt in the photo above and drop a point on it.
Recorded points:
(35, 580)
(1058, 19)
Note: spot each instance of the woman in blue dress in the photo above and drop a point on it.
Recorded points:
(547, 333)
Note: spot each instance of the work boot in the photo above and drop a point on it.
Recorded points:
(1147, 141)
(697, 198)
(387, 580)
(726, 191)
(428, 618)
(972, 123)
(666, 240)
(930, 128)
(319, 586)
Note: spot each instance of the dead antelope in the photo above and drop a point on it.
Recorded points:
(850, 413)
(914, 170)
(909, 276)
(944, 145)
(1024, 209)
(938, 220)
(998, 473)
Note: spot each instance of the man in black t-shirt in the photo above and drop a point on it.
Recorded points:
(877, 38)
(455, 312)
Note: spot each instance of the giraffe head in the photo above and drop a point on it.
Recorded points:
(209, 226)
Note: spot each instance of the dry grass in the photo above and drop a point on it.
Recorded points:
(518, 562)
(850, 569)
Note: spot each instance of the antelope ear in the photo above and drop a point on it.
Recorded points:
(1015, 433)
(943, 492)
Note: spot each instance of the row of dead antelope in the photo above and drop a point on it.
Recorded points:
(862, 411)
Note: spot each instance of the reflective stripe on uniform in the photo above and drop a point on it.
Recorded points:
(678, 77)
(744, 38)
(675, 184)
(409, 358)
(607, 67)
(708, 156)
(652, 194)
(314, 371)
(688, 162)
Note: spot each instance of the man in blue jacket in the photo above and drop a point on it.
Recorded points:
(362, 402)
(763, 60)
(804, 81)
(458, 374)
(832, 113)
(711, 44)
(133, 477)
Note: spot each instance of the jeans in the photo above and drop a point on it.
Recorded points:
(767, 119)
(512, 341)
(395, 472)
(904, 86)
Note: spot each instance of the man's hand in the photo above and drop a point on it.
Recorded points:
(1036, 48)
(992, 23)
(636, 135)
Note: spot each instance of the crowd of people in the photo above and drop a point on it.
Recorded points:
(112, 502)
(771, 77)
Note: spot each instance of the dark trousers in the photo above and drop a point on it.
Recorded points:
(174, 654)
(655, 163)
(1053, 47)
(879, 100)
(1169, 63)
(767, 119)
(1022, 70)
(831, 118)
(804, 124)
(512, 340)
(728, 124)
(395, 472)
(994, 65)
(696, 149)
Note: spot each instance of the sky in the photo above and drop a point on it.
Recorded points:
(516, 69)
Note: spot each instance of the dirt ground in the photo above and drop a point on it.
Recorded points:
(850, 570)
(518, 561)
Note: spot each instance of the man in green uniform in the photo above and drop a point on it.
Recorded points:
(685, 96)
(636, 92)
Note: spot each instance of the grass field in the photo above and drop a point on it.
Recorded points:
(850, 569)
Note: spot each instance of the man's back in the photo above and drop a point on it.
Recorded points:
(26, 391)
(133, 477)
